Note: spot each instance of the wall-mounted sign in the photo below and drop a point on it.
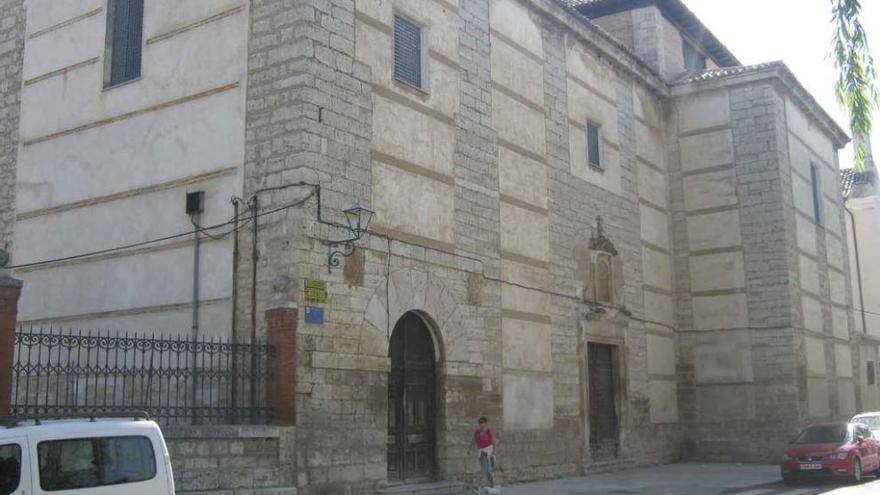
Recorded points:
(314, 315)
(316, 290)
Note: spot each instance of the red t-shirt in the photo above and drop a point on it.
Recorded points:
(483, 439)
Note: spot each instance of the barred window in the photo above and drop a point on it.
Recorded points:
(407, 52)
(125, 25)
(814, 183)
(872, 376)
(694, 61)
(593, 151)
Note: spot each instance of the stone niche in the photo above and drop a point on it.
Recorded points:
(601, 270)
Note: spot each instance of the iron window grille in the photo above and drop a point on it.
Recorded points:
(814, 184)
(594, 150)
(125, 25)
(407, 52)
(694, 61)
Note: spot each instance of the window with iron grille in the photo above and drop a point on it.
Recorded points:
(594, 157)
(407, 52)
(125, 26)
(814, 183)
(872, 373)
(694, 61)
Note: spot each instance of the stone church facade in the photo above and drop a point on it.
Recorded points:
(592, 224)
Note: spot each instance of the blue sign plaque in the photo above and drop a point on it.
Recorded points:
(315, 315)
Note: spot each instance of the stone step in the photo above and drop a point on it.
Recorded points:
(242, 491)
(435, 488)
(610, 465)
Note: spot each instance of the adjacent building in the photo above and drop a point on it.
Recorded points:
(592, 223)
(863, 234)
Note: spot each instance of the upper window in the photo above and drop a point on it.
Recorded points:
(125, 26)
(594, 155)
(694, 61)
(10, 468)
(872, 377)
(90, 462)
(407, 52)
(814, 183)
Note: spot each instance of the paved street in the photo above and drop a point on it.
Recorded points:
(689, 479)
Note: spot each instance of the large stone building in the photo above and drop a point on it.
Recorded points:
(592, 224)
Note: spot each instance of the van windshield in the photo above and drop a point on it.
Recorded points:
(873, 422)
(823, 434)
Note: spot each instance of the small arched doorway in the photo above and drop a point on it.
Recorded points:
(412, 401)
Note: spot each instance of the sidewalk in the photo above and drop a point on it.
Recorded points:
(687, 479)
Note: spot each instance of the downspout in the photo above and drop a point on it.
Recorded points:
(233, 389)
(195, 291)
(195, 312)
(235, 257)
(855, 236)
(254, 208)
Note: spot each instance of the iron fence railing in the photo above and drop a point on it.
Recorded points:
(175, 379)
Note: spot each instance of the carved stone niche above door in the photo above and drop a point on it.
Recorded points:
(601, 267)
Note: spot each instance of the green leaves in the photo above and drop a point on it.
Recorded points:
(856, 84)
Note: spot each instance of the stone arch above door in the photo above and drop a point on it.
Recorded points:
(429, 297)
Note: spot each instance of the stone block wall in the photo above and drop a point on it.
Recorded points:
(222, 460)
(12, 32)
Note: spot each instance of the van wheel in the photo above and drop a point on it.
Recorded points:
(856, 471)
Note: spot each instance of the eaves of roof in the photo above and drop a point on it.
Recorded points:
(677, 13)
(778, 70)
(614, 51)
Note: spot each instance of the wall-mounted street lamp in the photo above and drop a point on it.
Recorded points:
(358, 218)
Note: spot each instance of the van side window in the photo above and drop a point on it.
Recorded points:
(90, 462)
(10, 468)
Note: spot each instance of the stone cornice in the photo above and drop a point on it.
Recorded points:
(591, 34)
(775, 71)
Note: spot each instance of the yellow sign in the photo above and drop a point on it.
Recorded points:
(316, 290)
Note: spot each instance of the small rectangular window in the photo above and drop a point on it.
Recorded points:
(694, 61)
(10, 468)
(872, 373)
(817, 196)
(90, 462)
(125, 25)
(594, 152)
(407, 52)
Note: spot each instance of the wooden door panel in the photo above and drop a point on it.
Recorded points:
(411, 402)
(604, 429)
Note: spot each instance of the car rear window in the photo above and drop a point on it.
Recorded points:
(823, 434)
(10, 468)
(89, 462)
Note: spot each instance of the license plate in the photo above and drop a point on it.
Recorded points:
(811, 466)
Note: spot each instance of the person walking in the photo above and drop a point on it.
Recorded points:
(485, 441)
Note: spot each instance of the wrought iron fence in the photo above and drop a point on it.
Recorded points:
(176, 380)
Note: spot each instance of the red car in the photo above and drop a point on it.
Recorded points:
(838, 450)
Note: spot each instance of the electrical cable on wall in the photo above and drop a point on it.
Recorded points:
(244, 221)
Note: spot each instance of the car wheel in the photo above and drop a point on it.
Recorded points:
(857, 471)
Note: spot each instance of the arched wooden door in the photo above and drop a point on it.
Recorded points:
(411, 402)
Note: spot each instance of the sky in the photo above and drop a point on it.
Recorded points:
(798, 32)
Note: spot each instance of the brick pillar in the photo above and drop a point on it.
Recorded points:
(10, 289)
(281, 322)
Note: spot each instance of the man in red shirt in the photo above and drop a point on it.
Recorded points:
(485, 441)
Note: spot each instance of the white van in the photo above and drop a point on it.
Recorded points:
(98, 456)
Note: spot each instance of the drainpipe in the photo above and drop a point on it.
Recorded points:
(195, 293)
(855, 236)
